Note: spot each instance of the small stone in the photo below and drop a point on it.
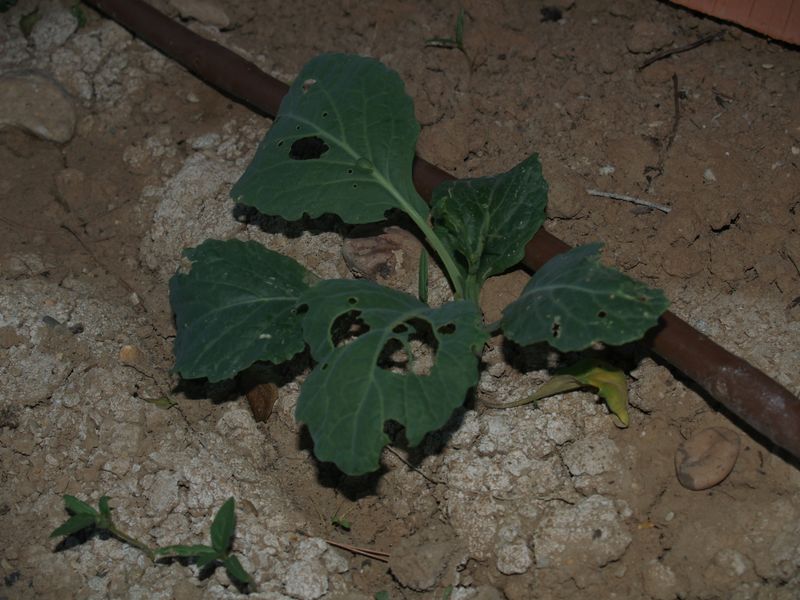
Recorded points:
(659, 581)
(53, 29)
(38, 104)
(9, 337)
(706, 458)
(648, 37)
(205, 11)
(306, 580)
(392, 256)
(513, 558)
(708, 176)
(130, 355)
(420, 561)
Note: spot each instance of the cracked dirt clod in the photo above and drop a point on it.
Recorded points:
(706, 458)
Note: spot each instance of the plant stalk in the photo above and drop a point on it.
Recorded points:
(131, 541)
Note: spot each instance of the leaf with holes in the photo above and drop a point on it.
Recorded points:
(407, 362)
(574, 301)
(343, 143)
(236, 306)
(488, 220)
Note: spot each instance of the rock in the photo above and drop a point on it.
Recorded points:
(513, 558)
(591, 455)
(648, 37)
(659, 581)
(391, 257)
(590, 532)
(419, 562)
(306, 580)
(53, 29)
(37, 103)
(205, 11)
(706, 458)
(130, 355)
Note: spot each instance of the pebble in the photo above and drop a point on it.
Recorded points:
(390, 256)
(420, 561)
(706, 458)
(37, 104)
(53, 29)
(205, 11)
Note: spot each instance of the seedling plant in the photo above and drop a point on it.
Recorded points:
(343, 143)
(86, 518)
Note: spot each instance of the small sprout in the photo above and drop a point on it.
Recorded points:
(222, 529)
(455, 42)
(84, 517)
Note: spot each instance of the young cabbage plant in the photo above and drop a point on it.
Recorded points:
(343, 143)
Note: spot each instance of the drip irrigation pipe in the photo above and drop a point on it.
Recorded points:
(764, 404)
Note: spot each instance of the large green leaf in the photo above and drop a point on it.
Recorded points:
(573, 301)
(488, 220)
(236, 306)
(352, 392)
(343, 142)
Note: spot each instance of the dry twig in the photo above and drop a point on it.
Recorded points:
(630, 199)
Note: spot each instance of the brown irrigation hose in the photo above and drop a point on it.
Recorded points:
(747, 392)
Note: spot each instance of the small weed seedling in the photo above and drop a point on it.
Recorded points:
(85, 518)
(457, 41)
(222, 529)
(343, 143)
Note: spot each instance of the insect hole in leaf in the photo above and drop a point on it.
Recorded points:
(308, 148)
(412, 350)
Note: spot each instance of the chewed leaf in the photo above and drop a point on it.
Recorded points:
(487, 221)
(574, 301)
(343, 142)
(382, 355)
(236, 306)
(610, 383)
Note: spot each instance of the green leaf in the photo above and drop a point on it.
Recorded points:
(206, 557)
(105, 509)
(488, 220)
(353, 391)
(422, 279)
(573, 301)
(236, 306)
(384, 595)
(184, 551)
(78, 507)
(236, 570)
(343, 143)
(610, 383)
(223, 526)
(74, 524)
(460, 29)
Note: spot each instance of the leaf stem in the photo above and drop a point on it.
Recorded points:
(121, 535)
(434, 240)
